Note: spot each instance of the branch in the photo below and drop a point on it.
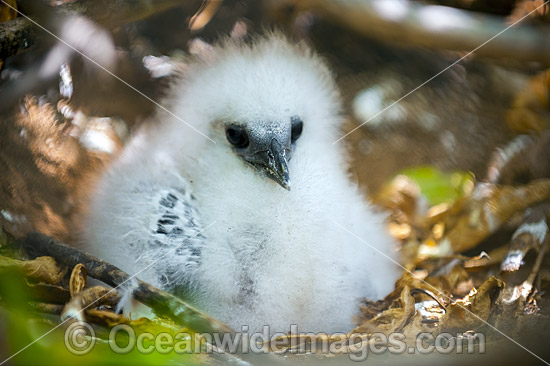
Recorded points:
(161, 302)
(436, 26)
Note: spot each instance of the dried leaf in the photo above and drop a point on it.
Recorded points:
(78, 280)
(530, 8)
(489, 206)
(96, 296)
(415, 326)
(390, 320)
(448, 280)
(400, 193)
(41, 269)
(473, 310)
(106, 317)
(531, 108)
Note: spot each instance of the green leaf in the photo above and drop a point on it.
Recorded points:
(438, 186)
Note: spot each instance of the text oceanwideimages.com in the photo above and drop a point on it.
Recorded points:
(80, 339)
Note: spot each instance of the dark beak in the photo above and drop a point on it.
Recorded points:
(278, 165)
(273, 162)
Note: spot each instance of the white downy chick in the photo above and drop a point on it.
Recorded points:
(245, 224)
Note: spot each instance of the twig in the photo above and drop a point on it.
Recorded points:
(435, 26)
(44, 307)
(533, 233)
(163, 303)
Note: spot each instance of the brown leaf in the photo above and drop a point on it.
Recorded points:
(93, 296)
(489, 207)
(106, 317)
(390, 320)
(448, 281)
(531, 107)
(472, 311)
(416, 280)
(41, 269)
(78, 280)
(415, 326)
(530, 8)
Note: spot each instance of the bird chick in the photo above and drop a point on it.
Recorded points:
(245, 224)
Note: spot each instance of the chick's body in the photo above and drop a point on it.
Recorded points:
(209, 217)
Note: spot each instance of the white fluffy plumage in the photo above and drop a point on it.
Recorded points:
(222, 233)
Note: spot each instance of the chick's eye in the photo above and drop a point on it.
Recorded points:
(237, 136)
(297, 127)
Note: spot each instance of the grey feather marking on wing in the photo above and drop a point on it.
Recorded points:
(176, 236)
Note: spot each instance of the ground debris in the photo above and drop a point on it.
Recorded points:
(447, 285)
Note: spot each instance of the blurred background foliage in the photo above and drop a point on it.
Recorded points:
(424, 155)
